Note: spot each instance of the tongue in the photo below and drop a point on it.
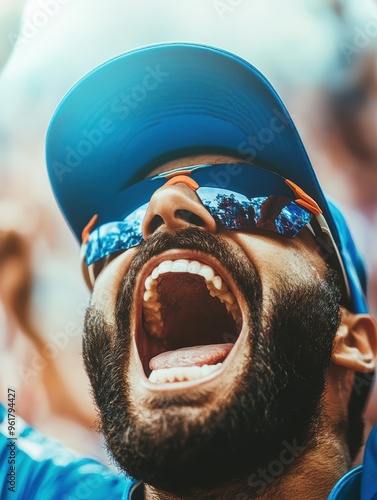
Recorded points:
(191, 356)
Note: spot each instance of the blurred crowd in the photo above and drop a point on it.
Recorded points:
(320, 55)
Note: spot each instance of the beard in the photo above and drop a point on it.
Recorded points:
(276, 400)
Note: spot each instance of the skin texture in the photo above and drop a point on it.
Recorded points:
(292, 372)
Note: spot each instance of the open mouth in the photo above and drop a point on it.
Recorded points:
(190, 322)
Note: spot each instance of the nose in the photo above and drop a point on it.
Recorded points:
(174, 207)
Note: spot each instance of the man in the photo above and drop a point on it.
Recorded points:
(227, 341)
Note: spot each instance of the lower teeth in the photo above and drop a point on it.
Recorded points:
(181, 373)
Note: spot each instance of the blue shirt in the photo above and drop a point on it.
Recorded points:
(43, 469)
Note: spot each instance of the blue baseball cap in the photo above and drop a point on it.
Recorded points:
(112, 126)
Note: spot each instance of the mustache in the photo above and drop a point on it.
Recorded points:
(239, 266)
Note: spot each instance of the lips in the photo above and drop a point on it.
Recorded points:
(189, 321)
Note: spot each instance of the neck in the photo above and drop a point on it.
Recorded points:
(316, 470)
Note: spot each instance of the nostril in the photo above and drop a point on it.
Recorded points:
(155, 223)
(190, 217)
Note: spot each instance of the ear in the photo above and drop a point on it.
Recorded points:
(356, 342)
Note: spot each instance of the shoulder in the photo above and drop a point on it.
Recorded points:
(360, 483)
(42, 467)
(349, 486)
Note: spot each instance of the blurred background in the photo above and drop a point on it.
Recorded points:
(321, 56)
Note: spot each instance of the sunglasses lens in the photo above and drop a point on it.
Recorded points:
(273, 213)
(116, 236)
(292, 219)
(227, 207)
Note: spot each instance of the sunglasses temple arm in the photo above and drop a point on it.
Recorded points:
(334, 248)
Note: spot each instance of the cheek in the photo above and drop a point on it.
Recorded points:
(267, 254)
(277, 258)
(107, 284)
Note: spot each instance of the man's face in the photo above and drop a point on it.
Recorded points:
(259, 309)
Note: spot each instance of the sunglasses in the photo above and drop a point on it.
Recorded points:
(240, 197)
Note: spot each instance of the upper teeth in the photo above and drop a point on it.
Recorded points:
(215, 285)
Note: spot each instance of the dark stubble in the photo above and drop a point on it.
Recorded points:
(277, 399)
